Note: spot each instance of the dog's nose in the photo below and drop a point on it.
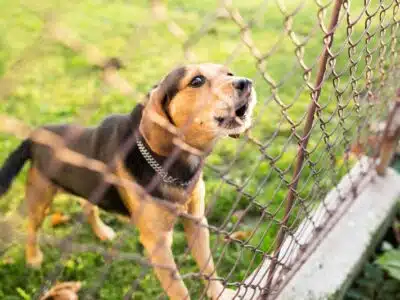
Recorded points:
(242, 84)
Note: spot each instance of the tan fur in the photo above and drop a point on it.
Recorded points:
(158, 137)
(198, 238)
(39, 195)
(193, 111)
(155, 224)
(102, 231)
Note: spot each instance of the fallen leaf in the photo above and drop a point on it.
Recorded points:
(59, 218)
(63, 291)
(239, 235)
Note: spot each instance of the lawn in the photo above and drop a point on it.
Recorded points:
(42, 82)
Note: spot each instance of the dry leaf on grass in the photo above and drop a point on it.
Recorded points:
(239, 235)
(59, 218)
(63, 291)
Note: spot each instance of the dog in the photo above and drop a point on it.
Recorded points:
(201, 103)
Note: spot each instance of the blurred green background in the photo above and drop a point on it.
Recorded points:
(49, 83)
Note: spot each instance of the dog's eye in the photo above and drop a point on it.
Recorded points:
(197, 81)
(230, 74)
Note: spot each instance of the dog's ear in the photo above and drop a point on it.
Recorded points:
(147, 97)
(156, 117)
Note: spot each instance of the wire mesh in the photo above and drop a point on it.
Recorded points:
(325, 72)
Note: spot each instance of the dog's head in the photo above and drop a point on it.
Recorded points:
(204, 102)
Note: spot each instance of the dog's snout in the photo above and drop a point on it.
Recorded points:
(242, 84)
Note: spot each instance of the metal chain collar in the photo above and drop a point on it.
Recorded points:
(158, 168)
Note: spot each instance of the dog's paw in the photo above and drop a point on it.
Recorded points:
(105, 233)
(35, 261)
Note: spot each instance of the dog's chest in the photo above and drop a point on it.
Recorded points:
(174, 194)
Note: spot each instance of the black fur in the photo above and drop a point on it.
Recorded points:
(170, 86)
(13, 165)
(103, 143)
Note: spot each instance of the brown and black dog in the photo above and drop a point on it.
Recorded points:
(202, 103)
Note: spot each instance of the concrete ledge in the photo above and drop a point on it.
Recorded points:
(332, 266)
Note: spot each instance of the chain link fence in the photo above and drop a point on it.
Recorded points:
(326, 75)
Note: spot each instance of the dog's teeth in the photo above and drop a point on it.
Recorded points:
(239, 121)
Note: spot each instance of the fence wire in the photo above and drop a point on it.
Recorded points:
(326, 75)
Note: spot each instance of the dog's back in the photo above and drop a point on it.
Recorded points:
(100, 143)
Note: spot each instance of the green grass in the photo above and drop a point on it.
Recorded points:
(52, 84)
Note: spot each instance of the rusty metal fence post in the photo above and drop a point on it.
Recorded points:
(291, 196)
(390, 137)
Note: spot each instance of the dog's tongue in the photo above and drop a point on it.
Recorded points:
(235, 136)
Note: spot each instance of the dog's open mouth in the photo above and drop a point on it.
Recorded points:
(241, 111)
(236, 120)
(235, 124)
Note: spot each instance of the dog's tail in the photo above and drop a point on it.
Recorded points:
(13, 165)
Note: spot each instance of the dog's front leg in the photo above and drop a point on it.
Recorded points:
(198, 237)
(155, 224)
(158, 247)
